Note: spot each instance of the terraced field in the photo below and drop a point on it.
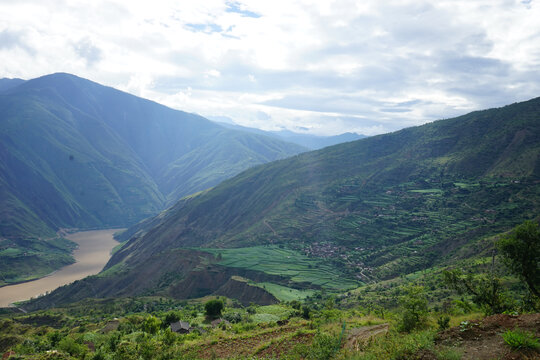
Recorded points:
(274, 260)
(284, 293)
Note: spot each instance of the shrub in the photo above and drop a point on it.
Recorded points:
(151, 325)
(69, 345)
(169, 337)
(444, 322)
(54, 337)
(233, 317)
(295, 304)
(486, 291)
(520, 339)
(126, 351)
(323, 347)
(171, 317)
(98, 356)
(306, 312)
(213, 308)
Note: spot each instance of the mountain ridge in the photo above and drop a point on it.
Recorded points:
(370, 209)
(313, 142)
(77, 154)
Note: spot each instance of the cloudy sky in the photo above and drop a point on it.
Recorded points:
(323, 67)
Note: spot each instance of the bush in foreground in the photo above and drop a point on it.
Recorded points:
(520, 339)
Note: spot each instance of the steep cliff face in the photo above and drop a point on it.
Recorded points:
(246, 293)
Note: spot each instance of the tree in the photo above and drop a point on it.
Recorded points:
(213, 308)
(306, 312)
(151, 324)
(415, 306)
(521, 253)
(171, 317)
(486, 291)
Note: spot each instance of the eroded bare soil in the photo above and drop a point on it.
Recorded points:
(482, 339)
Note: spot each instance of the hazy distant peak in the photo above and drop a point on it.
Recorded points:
(309, 141)
(7, 83)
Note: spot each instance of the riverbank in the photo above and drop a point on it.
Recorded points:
(93, 252)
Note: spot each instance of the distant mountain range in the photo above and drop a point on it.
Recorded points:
(76, 154)
(312, 142)
(341, 216)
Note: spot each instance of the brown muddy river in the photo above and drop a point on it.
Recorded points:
(91, 256)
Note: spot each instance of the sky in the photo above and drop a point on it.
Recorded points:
(319, 67)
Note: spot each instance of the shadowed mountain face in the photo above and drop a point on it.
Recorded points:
(370, 209)
(74, 153)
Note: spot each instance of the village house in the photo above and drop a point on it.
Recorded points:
(180, 327)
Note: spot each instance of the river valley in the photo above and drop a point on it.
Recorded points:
(90, 257)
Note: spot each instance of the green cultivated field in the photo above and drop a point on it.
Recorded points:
(283, 293)
(274, 260)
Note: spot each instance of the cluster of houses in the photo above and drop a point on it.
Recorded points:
(324, 250)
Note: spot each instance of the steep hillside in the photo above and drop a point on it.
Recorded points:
(357, 212)
(74, 153)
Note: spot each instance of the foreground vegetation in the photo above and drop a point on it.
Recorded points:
(320, 328)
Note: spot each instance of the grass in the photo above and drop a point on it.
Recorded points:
(116, 248)
(397, 346)
(449, 354)
(265, 318)
(280, 311)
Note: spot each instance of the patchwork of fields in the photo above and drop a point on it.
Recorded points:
(274, 260)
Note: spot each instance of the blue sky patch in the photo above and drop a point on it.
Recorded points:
(234, 7)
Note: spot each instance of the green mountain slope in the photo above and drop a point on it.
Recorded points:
(74, 153)
(352, 213)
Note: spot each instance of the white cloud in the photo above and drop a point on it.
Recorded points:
(328, 66)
